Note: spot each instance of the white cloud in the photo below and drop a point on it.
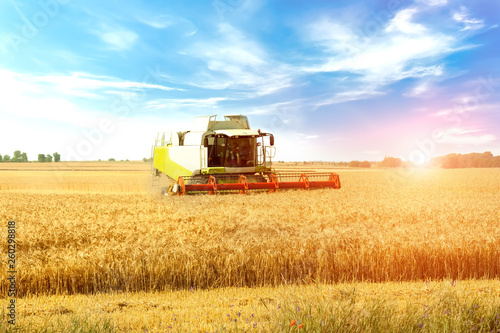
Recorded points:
(158, 21)
(76, 84)
(233, 61)
(399, 52)
(465, 105)
(81, 83)
(404, 48)
(462, 16)
(391, 58)
(419, 90)
(434, 2)
(50, 96)
(284, 109)
(461, 136)
(176, 103)
(334, 36)
(117, 38)
(164, 21)
(402, 22)
(347, 96)
(24, 98)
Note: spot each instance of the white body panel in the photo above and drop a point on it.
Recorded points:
(189, 157)
(193, 138)
(202, 123)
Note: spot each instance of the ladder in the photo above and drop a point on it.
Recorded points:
(155, 179)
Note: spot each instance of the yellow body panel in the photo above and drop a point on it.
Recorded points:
(163, 163)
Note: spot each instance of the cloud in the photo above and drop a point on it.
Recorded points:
(461, 136)
(402, 22)
(462, 16)
(26, 99)
(308, 137)
(166, 21)
(333, 36)
(281, 108)
(158, 21)
(403, 47)
(117, 38)
(79, 83)
(392, 58)
(347, 96)
(434, 2)
(465, 105)
(233, 61)
(176, 103)
(50, 96)
(75, 84)
(419, 90)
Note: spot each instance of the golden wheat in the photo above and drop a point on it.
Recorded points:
(77, 235)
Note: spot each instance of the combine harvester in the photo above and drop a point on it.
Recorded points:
(225, 156)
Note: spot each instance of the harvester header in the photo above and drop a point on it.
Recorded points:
(224, 155)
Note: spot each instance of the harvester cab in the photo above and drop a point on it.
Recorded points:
(222, 156)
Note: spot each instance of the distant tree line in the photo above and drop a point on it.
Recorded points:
(472, 160)
(48, 158)
(17, 157)
(391, 162)
(23, 157)
(358, 164)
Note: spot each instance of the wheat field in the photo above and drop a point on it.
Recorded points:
(96, 228)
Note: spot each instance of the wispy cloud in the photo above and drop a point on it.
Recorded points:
(234, 61)
(282, 108)
(26, 99)
(403, 22)
(116, 38)
(85, 83)
(347, 96)
(307, 136)
(465, 105)
(463, 16)
(75, 84)
(433, 2)
(419, 90)
(50, 96)
(462, 136)
(392, 56)
(176, 103)
(404, 48)
(166, 21)
(158, 21)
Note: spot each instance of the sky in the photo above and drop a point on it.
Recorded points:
(332, 80)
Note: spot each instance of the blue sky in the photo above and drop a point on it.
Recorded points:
(333, 80)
